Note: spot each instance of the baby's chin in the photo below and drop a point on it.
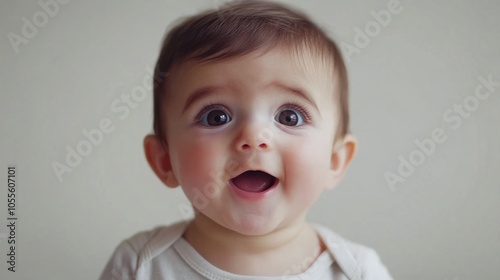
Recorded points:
(252, 227)
(256, 225)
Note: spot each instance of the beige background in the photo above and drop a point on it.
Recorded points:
(440, 223)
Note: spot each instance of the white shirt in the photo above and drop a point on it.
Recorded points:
(162, 253)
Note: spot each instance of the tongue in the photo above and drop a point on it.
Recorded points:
(254, 181)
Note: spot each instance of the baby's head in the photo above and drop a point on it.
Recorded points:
(250, 115)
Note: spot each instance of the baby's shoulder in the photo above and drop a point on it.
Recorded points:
(156, 240)
(133, 253)
(356, 260)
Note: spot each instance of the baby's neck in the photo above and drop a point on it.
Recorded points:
(275, 254)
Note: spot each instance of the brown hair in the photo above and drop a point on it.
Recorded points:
(239, 28)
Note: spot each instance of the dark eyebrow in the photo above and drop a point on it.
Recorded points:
(199, 94)
(297, 92)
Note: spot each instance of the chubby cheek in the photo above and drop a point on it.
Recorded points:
(306, 167)
(196, 164)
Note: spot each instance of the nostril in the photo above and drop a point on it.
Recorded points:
(249, 147)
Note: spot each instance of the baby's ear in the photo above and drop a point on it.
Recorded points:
(159, 160)
(343, 152)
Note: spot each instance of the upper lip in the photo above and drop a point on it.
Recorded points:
(260, 170)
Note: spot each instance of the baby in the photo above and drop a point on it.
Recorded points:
(251, 121)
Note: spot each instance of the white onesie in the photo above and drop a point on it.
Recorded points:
(162, 253)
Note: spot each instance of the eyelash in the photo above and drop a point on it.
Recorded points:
(209, 107)
(297, 107)
(291, 105)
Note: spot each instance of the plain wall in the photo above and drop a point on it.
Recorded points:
(407, 80)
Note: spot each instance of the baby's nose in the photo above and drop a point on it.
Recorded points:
(253, 137)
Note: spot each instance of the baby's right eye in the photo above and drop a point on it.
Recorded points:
(214, 117)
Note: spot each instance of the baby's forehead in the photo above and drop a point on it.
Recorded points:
(257, 69)
(312, 65)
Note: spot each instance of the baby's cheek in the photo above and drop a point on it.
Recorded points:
(315, 152)
(311, 163)
(201, 163)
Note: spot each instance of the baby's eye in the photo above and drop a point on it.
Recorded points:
(215, 117)
(290, 117)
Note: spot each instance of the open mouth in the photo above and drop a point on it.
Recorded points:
(254, 181)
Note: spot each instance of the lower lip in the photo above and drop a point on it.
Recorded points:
(253, 196)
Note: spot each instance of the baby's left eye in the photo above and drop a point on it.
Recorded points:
(290, 117)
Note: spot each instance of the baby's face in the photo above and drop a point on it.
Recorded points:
(251, 138)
